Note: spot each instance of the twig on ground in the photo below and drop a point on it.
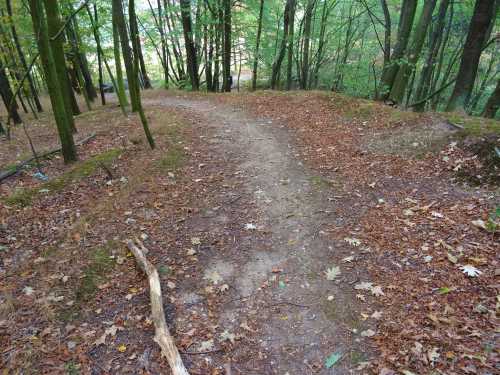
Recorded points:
(162, 335)
(17, 168)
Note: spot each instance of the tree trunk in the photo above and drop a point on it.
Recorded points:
(143, 71)
(387, 32)
(54, 24)
(306, 38)
(291, 27)
(161, 28)
(54, 86)
(187, 27)
(257, 45)
(275, 74)
(99, 55)
(226, 61)
(408, 9)
(434, 45)
(8, 96)
(476, 38)
(134, 35)
(493, 103)
(406, 68)
(133, 85)
(34, 92)
(122, 97)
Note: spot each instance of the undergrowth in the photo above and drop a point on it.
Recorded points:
(24, 196)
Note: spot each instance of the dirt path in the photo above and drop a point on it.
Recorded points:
(275, 267)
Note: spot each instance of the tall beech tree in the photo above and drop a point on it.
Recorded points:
(257, 45)
(191, 56)
(226, 61)
(478, 31)
(408, 9)
(122, 31)
(55, 24)
(134, 32)
(54, 86)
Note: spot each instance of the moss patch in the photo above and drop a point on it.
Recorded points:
(172, 160)
(24, 197)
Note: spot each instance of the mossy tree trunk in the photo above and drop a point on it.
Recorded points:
(187, 28)
(493, 103)
(133, 84)
(22, 58)
(135, 47)
(478, 30)
(51, 77)
(54, 24)
(8, 96)
(406, 68)
(122, 96)
(408, 9)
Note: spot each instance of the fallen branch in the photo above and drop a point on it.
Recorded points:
(162, 335)
(17, 168)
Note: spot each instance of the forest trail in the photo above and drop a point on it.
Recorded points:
(277, 264)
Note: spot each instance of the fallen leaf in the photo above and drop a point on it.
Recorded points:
(352, 241)
(333, 359)
(122, 348)
(332, 273)
(470, 270)
(368, 333)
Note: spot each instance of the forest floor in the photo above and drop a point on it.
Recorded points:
(294, 233)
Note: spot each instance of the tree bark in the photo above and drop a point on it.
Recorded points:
(493, 103)
(434, 45)
(134, 35)
(54, 24)
(257, 45)
(275, 74)
(22, 58)
(291, 27)
(406, 68)
(226, 61)
(192, 61)
(476, 37)
(8, 96)
(119, 21)
(304, 81)
(53, 84)
(408, 9)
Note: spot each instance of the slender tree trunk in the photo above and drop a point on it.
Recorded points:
(291, 27)
(122, 97)
(275, 74)
(133, 85)
(306, 40)
(476, 38)
(22, 58)
(257, 45)
(161, 28)
(482, 86)
(143, 71)
(192, 62)
(387, 32)
(434, 45)
(54, 24)
(407, 67)
(408, 9)
(493, 103)
(81, 58)
(134, 35)
(8, 96)
(54, 86)
(99, 56)
(226, 61)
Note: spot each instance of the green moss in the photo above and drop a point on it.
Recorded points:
(94, 274)
(23, 197)
(337, 311)
(173, 159)
(474, 126)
